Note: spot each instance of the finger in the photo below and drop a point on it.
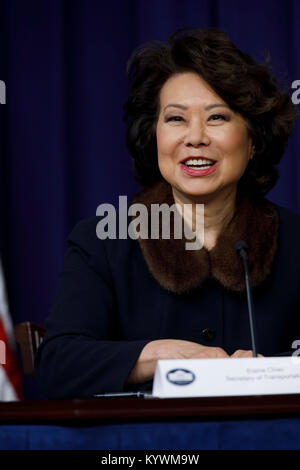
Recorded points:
(220, 352)
(212, 353)
(242, 353)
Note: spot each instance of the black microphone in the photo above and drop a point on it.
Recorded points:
(241, 249)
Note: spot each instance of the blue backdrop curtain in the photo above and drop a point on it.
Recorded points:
(62, 137)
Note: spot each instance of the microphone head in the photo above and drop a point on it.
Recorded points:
(241, 246)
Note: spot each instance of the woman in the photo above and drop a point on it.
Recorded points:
(206, 125)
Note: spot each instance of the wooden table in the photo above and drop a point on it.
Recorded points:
(254, 415)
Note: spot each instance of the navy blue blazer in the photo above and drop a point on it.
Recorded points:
(113, 299)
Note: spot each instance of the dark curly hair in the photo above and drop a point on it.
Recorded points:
(246, 86)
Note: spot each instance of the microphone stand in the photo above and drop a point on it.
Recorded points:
(241, 249)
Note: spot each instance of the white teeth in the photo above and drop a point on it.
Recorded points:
(199, 161)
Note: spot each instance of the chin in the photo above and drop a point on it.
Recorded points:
(194, 189)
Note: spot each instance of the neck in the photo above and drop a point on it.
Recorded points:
(218, 211)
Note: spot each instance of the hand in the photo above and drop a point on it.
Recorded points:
(243, 353)
(180, 349)
(169, 349)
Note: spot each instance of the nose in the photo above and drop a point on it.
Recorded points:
(196, 135)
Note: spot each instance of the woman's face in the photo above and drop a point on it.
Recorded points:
(203, 146)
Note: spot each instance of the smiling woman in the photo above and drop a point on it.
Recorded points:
(206, 125)
(202, 154)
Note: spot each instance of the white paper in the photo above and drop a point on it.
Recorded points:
(226, 377)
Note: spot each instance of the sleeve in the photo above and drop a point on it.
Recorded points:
(80, 354)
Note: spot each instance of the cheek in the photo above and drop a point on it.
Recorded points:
(235, 146)
(166, 145)
(166, 151)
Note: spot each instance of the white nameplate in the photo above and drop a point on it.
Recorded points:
(226, 377)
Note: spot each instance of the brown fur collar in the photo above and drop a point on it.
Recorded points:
(179, 270)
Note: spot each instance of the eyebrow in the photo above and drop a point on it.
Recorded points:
(210, 106)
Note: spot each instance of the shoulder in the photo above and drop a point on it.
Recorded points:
(288, 235)
(287, 214)
(289, 221)
(90, 236)
(84, 231)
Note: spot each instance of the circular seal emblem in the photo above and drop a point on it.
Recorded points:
(180, 376)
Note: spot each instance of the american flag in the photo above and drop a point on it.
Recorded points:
(10, 376)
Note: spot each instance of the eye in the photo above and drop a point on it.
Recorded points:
(174, 118)
(218, 117)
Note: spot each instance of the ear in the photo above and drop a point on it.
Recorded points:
(251, 148)
(252, 152)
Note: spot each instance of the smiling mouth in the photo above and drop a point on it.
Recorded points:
(198, 163)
